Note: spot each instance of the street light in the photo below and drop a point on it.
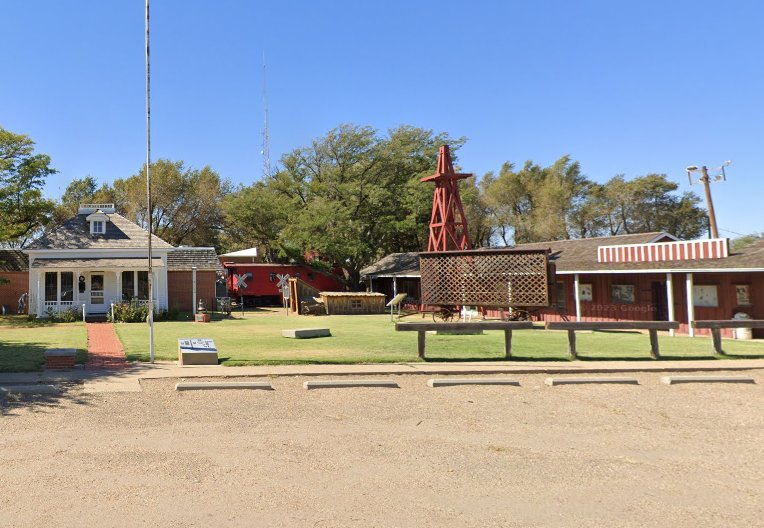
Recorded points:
(719, 175)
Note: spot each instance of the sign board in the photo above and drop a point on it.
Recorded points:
(285, 292)
(197, 352)
(238, 280)
(283, 282)
(207, 345)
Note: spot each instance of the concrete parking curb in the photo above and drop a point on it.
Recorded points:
(584, 381)
(223, 385)
(341, 384)
(453, 382)
(673, 380)
(29, 389)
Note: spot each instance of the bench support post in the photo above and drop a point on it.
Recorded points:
(508, 344)
(654, 351)
(421, 335)
(716, 339)
(572, 344)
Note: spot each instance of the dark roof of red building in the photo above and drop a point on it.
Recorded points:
(186, 258)
(580, 255)
(13, 260)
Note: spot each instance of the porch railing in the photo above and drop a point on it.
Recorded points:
(58, 306)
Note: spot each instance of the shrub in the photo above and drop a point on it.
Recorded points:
(136, 312)
(70, 315)
(129, 312)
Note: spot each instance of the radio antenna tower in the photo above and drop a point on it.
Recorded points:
(265, 151)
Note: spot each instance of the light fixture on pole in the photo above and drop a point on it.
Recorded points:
(718, 175)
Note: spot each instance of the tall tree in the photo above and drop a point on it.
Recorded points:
(186, 203)
(354, 195)
(537, 203)
(23, 209)
(254, 216)
(650, 203)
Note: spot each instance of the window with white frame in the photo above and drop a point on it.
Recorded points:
(135, 285)
(96, 227)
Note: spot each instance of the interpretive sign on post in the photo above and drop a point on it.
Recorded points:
(197, 352)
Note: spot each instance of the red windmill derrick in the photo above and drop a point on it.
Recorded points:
(448, 224)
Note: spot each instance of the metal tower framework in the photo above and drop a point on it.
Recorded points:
(448, 224)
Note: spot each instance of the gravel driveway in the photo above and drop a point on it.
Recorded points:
(647, 455)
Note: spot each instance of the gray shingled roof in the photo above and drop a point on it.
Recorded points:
(96, 263)
(394, 264)
(184, 258)
(13, 260)
(748, 258)
(581, 255)
(75, 234)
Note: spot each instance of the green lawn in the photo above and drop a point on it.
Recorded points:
(256, 339)
(23, 342)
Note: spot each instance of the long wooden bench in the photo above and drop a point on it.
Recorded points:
(506, 326)
(717, 326)
(651, 326)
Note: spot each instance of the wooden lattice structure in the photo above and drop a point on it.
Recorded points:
(494, 278)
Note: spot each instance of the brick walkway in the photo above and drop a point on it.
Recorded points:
(104, 349)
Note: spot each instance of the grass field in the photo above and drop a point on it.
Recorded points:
(23, 342)
(255, 339)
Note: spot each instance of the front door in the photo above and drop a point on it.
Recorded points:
(660, 302)
(97, 301)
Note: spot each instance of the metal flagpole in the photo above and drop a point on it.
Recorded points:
(150, 318)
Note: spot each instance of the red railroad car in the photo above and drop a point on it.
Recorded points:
(257, 284)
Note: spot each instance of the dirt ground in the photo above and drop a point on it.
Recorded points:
(626, 456)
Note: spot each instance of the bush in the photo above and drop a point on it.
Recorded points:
(136, 312)
(129, 312)
(70, 315)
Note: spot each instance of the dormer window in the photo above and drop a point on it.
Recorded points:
(97, 222)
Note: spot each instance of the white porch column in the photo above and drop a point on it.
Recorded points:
(39, 297)
(577, 296)
(76, 288)
(395, 286)
(690, 305)
(193, 289)
(118, 297)
(670, 298)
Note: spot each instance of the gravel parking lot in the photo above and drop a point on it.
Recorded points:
(646, 455)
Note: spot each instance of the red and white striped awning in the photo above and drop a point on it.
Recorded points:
(714, 248)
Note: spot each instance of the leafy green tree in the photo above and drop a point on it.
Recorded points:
(650, 203)
(78, 192)
(254, 216)
(186, 203)
(741, 242)
(23, 209)
(354, 195)
(537, 203)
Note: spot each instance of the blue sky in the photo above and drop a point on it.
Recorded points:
(629, 88)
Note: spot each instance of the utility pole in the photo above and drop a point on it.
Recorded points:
(709, 202)
(706, 181)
